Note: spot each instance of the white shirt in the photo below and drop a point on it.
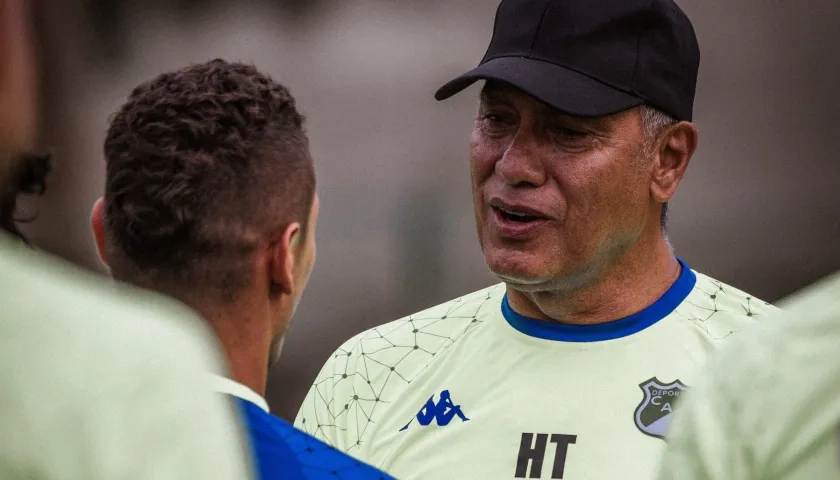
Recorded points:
(225, 385)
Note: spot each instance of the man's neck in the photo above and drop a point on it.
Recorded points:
(633, 283)
(246, 344)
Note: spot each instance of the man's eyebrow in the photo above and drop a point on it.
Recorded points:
(493, 94)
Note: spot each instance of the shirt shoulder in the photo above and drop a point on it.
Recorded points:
(68, 343)
(418, 338)
(282, 451)
(104, 315)
(719, 310)
(379, 363)
(60, 313)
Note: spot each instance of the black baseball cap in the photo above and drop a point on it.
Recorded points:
(592, 58)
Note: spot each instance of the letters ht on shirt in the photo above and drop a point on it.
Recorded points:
(533, 453)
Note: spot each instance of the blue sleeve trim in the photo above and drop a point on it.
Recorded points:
(610, 330)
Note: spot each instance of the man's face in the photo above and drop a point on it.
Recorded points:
(557, 198)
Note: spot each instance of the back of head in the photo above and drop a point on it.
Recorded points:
(203, 164)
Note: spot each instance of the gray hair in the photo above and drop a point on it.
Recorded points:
(654, 121)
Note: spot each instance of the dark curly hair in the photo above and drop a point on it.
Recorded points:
(202, 163)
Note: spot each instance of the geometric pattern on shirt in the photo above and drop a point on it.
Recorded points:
(378, 353)
(716, 299)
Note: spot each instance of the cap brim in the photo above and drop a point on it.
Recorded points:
(564, 89)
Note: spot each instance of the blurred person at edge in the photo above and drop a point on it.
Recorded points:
(210, 199)
(572, 367)
(98, 382)
(768, 407)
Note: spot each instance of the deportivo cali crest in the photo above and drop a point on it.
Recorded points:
(653, 416)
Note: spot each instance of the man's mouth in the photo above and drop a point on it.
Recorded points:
(516, 221)
(515, 216)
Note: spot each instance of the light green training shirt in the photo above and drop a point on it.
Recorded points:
(770, 407)
(472, 390)
(99, 382)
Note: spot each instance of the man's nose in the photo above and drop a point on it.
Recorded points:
(521, 165)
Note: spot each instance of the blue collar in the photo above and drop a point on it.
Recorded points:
(610, 330)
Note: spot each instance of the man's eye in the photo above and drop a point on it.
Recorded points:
(493, 119)
(496, 125)
(568, 133)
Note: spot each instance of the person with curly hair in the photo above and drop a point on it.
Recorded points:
(210, 199)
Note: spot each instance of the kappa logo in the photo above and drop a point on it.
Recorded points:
(443, 411)
(653, 416)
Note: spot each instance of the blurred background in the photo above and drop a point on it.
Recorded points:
(758, 207)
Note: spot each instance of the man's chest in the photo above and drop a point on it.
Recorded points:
(587, 417)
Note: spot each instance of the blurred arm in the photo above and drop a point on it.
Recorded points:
(179, 429)
(708, 440)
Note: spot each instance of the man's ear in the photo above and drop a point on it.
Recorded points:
(675, 149)
(97, 226)
(283, 258)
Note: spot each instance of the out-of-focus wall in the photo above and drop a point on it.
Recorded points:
(758, 208)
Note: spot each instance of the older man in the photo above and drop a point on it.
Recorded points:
(570, 368)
